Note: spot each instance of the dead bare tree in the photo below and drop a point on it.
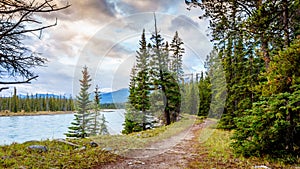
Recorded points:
(17, 19)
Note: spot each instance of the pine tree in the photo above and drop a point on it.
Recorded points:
(94, 125)
(204, 88)
(139, 98)
(160, 69)
(133, 119)
(142, 81)
(103, 126)
(178, 50)
(80, 126)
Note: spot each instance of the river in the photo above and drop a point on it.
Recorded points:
(25, 128)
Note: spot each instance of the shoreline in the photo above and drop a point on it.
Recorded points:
(8, 114)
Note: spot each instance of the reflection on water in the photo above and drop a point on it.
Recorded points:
(24, 128)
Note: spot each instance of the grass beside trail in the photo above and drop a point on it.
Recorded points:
(121, 143)
(61, 155)
(215, 152)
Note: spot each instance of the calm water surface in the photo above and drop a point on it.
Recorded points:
(25, 128)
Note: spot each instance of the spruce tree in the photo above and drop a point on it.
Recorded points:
(94, 125)
(204, 88)
(142, 81)
(177, 54)
(133, 118)
(160, 69)
(103, 127)
(80, 126)
(139, 98)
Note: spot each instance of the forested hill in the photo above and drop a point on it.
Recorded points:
(53, 102)
(118, 96)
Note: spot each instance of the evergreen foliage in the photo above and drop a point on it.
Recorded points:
(176, 57)
(163, 78)
(204, 95)
(80, 125)
(142, 89)
(158, 68)
(139, 89)
(95, 124)
(34, 103)
(190, 95)
(272, 126)
(254, 44)
(103, 126)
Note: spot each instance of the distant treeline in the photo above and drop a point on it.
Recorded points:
(45, 102)
(112, 106)
(34, 103)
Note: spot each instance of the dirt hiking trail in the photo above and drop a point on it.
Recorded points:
(172, 153)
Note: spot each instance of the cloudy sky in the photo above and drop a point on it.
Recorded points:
(104, 35)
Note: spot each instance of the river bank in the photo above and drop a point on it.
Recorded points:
(34, 113)
(4, 114)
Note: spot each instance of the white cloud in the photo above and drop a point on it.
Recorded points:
(103, 35)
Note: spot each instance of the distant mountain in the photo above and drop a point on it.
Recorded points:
(40, 96)
(119, 96)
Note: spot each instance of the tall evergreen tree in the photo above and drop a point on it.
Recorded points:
(160, 68)
(133, 119)
(178, 50)
(94, 125)
(80, 126)
(139, 98)
(142, 81)
(204, 88)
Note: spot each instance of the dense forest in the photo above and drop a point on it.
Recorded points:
(258, 46)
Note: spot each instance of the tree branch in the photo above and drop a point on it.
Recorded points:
(3, 88)
(31, 8)
(32, 30)
(20, 82)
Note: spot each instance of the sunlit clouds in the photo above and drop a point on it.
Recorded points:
(103, 35)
